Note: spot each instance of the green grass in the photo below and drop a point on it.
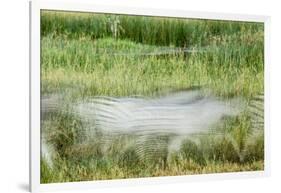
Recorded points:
(97, 170)
(83, 54)
(147, 30)
(66, 61)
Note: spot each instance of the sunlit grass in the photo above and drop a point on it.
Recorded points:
(82, 56)
(100, 72)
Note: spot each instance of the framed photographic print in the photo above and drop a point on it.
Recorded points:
(124, 95)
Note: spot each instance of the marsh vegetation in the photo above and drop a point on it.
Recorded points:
(89, 57)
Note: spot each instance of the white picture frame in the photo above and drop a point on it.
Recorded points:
(36, 6)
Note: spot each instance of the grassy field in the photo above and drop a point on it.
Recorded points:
(87, 55)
